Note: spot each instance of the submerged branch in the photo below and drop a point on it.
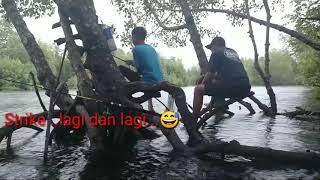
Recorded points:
(234, 147)
(7, 130)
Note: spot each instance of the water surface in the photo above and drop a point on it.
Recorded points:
(153, 158)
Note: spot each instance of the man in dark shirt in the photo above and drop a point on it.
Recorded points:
(226, 76)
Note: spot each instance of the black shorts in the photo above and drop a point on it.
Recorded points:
(227, 90)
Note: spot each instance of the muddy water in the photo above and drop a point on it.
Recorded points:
(154, 158)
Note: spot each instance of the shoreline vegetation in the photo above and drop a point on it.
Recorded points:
(286, 68)
(15, 64)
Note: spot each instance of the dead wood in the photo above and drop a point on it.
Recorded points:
(7, 130)
(234, 147)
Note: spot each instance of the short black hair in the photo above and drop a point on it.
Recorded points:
(139, 32)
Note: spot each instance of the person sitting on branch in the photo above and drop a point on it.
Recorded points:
(146, 60)
(226, 76)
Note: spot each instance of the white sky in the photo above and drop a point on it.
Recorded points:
(236, 37)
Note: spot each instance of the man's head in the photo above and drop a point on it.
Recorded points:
(138, 35)
(217, 42)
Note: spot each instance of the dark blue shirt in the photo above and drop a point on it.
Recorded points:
(227, 64)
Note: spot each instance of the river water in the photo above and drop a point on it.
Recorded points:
(151, 159)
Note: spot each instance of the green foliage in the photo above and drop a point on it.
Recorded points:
(5, 32)
(15, 70)
(308, 58)
(137, 13)
(174, 72)
(34, 8)
(282, 68)
(14, 49)
(16, 64)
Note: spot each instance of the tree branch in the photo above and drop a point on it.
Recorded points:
(6, 130)
(84, 82)
(234, 147)
(160, 23)
(257, 65)
(312, 18)
(180, 99)
(301, 37)
(267, 60)
(44, 72)
(267, 44)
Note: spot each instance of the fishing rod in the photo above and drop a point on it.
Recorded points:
(87, 98)
(154, 97)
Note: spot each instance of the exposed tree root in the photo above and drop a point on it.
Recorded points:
(6, 131)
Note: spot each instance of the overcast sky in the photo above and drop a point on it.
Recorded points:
(236, 37)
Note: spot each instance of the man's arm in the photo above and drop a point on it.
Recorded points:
(209, 76)
(214, 66)
(136, 60)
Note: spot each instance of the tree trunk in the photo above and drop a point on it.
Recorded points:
(194, 35)
(108, 82)
(85, 87)
(258, 67)
(44, 73)
(234, 147)
(271, 94)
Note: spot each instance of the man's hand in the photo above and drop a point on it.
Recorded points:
(129, 62)
(209, 77)
(199, 81)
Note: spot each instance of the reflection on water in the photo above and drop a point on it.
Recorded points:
(153, 158)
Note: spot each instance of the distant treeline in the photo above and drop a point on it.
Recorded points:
(283, 69)
(15, 64)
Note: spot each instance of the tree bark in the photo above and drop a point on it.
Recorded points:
(107, 79)
(44, 73)
(257, 65)
(180, 99)
(271, 94)
(110, 85)
(85, 87)
(194, 35)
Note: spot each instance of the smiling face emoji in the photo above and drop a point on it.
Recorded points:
(170, 119)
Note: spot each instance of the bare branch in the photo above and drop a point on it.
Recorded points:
(180, 99)
(267, 45)
(312, 18)
(44, 72)
(257, 65)
(301, 37)
(7, 130)
(234, 147)
(160, 23)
